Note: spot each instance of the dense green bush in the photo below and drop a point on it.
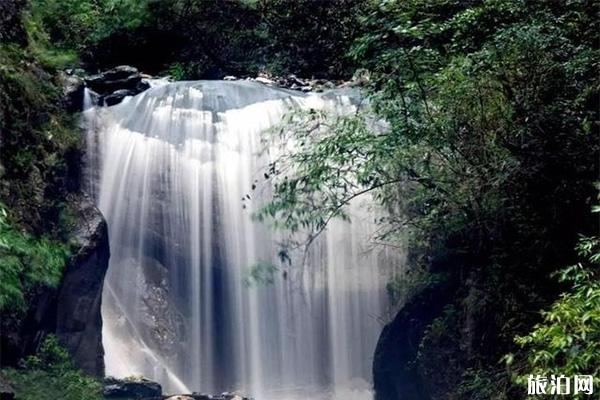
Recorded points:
(567, 341)
(50, 375)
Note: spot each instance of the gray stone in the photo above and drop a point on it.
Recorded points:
(78, 318)
(263, 80)
(130, 389)
(73, 87)
(117, 96)
(121, 72)
(396, 375)
(293, 79)
(117, 83)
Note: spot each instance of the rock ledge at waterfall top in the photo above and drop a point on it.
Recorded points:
(108, 88)
(112, 86)
(293, 82)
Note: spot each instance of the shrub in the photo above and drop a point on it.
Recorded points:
(51, 375)
(567, 341)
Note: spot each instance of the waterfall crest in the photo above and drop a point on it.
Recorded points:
(169, 168)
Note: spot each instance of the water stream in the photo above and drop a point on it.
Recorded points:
(169, 168)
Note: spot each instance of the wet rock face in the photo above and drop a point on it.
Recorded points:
(130, 389)
(73, 85)
(396, 371)
(78, 318)
(162, 323)
(114, 85)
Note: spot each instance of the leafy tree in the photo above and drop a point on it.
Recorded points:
(567, 341)
(488, 153)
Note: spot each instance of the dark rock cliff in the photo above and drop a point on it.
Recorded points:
(431, 350)
(396, 372)
(78, 318)
(71, 311)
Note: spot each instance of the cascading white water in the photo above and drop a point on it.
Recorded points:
(169, 169)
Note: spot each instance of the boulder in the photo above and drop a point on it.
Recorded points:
(114, 85)
(122, 72)
(294, 80)
(73, 87)
(117, 96)
(396, 372)
(122, 77)
(263, 80)
(78, 318)
(135, 388)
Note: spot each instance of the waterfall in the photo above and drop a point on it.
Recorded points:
(169, 169)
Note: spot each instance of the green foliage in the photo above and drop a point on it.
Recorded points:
(176, 71)
(567, 341)
(50, 375)
(482, 385)
(260, 273)
(43, 49)
(25, 262)
(207, 38)
(76, 24)
(488, 155)
(310, 190)
(481, 102)
(39, 143)
(39, 151)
